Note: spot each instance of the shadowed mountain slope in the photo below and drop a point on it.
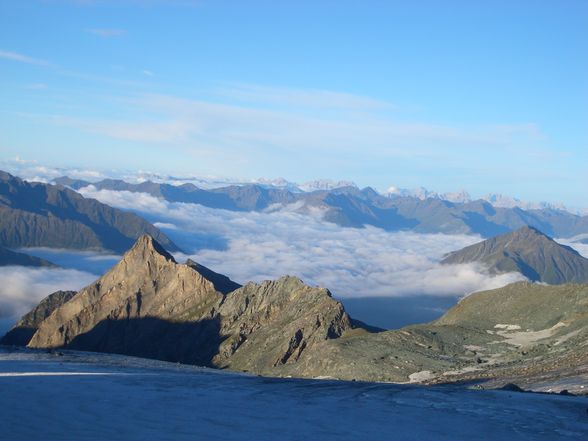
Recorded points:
(23, 331)
(33, 214)
(528, 251)
(9, 257)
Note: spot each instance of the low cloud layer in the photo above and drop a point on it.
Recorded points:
(21, 288)
(351, 262)
(87, 261)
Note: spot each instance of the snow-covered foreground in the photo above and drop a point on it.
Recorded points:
(101, 397)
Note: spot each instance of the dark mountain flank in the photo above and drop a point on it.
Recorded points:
(353, 207)
(150, 306)
(33, 214)
(528, 251)
(9, 257)
(21, 333)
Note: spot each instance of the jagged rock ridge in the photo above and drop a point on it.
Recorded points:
(149, 305)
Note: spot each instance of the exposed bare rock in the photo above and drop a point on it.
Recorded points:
(146, 305)
(23, 331)
(277, 323)
(149, 305)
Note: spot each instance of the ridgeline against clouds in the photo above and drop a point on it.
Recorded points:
(350, 206)
(529, 252)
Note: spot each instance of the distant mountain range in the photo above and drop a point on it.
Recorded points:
(148, 305)
(527, 251)
(44, 215)
(497, 200)
(353, 207)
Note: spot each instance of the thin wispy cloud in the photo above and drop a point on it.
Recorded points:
(305, 98)
(33, 171)
(107, 32)
(37, 86)
(153, 132)
(233, 127)
(22, 288)
(21, 58)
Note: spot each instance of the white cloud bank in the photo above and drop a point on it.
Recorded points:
(22, 288)
(350, 262)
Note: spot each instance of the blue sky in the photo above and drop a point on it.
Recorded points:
(486, 96)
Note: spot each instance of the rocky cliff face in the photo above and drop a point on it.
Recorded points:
(277, 323)
(146, 305)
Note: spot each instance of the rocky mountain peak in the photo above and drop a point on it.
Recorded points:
(529, 252)
(529, 231)
(149, 305)
(146, 247)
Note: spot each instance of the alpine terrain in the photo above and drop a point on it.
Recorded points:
(150, 306)
(529, 252)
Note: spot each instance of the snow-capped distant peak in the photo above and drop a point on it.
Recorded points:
(419, 193)
(500, 200)
(461, 196)
(495, 199)
(278, 183)
(325, 184)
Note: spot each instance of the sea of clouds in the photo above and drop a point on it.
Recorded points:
(351, 262)
(21, 288)
(377, 274)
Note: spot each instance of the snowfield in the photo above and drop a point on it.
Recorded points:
(85, 396)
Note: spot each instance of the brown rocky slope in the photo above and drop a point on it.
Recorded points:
(149, 305)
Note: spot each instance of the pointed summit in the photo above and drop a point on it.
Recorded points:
(529, 252)
(147, 247)
(146, 285)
